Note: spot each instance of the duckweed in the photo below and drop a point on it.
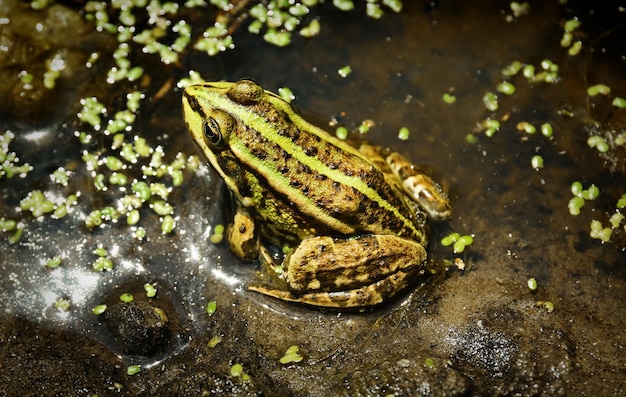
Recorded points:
(571, 25)
(460, 242)
(218, 234)
(403, 134)
(546, 130)
(162, 207)
(211, 307)
(127, 297)
(575, 204)
(117, 178)
(98, 182)
(532, 284)
(536, 162)
(344, 5)
(621, 203)
(598, 89)
(599, 143)
(345, 71)
(448, 98)
(168, 224)
(9, 160)
(365, 126)
(506, 88)
(576, 188)
(580, 196)
(529, 72)
(7, 224)
(277, 38)
(99, 309)
(236, 370)
(286, 94)
(60, 176)
(512, 69)
(54, 262)
(616, 219)
(37, 204)
(133, 369)
(140, 233)
(450, 239)
(291, 355)
(102, 264)
(619, 102)
(94, 219)
(575, 48)
(490, 126)
(150, 290)
(599, 232)
(159, 189)
(313, 28)
(17, 235)
(549, 306)
(490, 100)
(591, 193)
(214, 341)
(341, 132)
(62, 304)
(526, 127)
(133, 217)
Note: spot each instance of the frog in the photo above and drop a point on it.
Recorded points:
(354, 218)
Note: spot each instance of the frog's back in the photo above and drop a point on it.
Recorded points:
(307, 182)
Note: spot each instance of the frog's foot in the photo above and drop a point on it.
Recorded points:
(243, 236)
(359, 271)
(420, 187)
(428, 194)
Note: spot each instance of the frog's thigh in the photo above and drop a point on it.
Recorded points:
(242, 235)
(324, 264)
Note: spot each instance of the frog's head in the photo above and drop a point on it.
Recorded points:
(215, 112)
(212, 111)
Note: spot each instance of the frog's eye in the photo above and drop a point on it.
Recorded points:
(217, 128)
(211, 131)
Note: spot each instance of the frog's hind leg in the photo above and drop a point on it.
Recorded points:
(366, 296)
(422, 189)
(429, 194)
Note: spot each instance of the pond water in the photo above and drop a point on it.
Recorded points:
(476, 331)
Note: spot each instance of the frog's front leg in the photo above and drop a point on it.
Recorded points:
(356, 272)
(243, 236)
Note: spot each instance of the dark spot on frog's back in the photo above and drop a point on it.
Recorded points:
(304, 169)
(259, 153)
(310, 151)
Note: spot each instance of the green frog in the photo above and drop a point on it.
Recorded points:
(355, 219)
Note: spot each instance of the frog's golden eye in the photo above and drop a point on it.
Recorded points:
(217, 128)
(211, 131)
